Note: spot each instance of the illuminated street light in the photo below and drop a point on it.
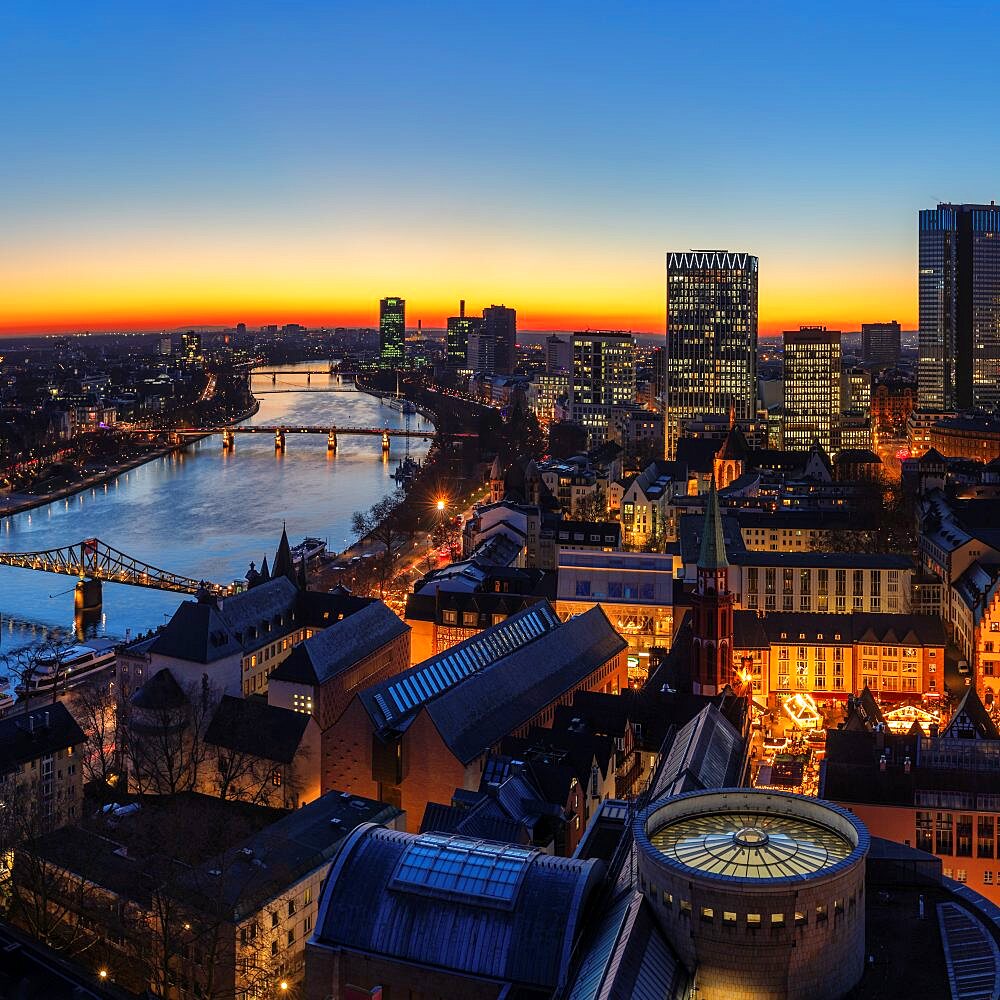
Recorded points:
(440, 505)
(103, 973)
(283, 985)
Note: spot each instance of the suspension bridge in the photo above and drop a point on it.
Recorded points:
(93, 562)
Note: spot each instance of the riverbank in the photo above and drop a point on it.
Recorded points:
(19, 503)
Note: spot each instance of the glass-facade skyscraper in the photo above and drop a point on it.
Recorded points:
(711, 364)
(392, 332)
(959, 298)
(500, 329)
(880, 344)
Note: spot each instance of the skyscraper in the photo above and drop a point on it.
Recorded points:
(711, 337)
(603, 378)
(460, 328)
(392, 332)
(812, 388)
(500, 327)
(880, 344)
(959, 298)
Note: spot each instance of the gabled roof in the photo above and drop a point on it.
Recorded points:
(971, 720)
(283, 564)
(735, 447)
(250, 726)
(706, 753)
(491, 684)
(340, 646)
(209, 630)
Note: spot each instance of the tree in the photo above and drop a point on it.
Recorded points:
(95, 708)
(885, 517)
(594, 506)
(389, 523)
(164, 741)
(30, 662)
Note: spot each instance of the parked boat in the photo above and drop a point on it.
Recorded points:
(406, 470)
(398, 403)
(68, 667)
(308, 549)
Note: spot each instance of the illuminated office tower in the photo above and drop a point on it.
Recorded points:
(460, 329)
(812, 388)
(500, 330)
(711, 365)
(392, 332)
(191, 348)
(959, 297)
(603, 378)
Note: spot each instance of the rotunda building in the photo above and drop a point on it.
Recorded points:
(760, 893)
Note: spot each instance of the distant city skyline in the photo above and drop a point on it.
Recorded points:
(152, 180)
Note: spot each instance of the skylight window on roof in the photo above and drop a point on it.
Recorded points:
(459, 865)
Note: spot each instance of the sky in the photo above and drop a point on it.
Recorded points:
(165, 164)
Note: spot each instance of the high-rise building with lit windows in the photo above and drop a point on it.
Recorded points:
(500, 329)
(880, 343)
(959, 296)
(603, 378)
(460, 329)
(711, 364)
(813, 369)
(392, 332)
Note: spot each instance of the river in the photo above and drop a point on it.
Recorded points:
(204, 513)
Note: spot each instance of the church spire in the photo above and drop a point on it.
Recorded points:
(283, 563)
(713, 542)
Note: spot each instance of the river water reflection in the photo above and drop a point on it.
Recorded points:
(204, 513)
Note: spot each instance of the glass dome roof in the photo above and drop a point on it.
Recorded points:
(751, 845)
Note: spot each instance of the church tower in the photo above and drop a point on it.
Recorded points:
(712, 645)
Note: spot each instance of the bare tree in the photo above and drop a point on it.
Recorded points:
(96, 709)
(29, 663)
(164, 744)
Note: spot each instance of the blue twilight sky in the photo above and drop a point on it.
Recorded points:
(169, 163)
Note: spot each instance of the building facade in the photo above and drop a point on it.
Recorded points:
(460, 329)
(959, 300)
(812, 388)
(880, 343)
(711, 364)
(392, 332)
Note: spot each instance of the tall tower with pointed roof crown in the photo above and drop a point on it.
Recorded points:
(712, 644)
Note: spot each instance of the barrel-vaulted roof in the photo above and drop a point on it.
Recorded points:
(474, 907)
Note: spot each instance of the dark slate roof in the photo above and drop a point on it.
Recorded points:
(341, 645)
(265, 864)
(735, 446)
(691, 527)
(857, 456)
(250, 726)
(924, 630)
(971, 715)
(698, 454)
(38, 733)
(706, 753)
(493, 703)
(487, 686)
(205, 631)
(161, 693)
(429, 607)
(626, 955)
(526, 941)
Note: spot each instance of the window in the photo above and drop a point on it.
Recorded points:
(777, 920)
(963, 837)
(450, 617)
(753, 920)
(291, 907)
(668, 898)
(800, 919)
(686, 906)
(707, 913)
(274, 918)
(291, 936)
(470, 619)
(583, 588)
(274, 947)
(728, 917)
(985, 836)
(821, 913)
(307, 897)
(987, 878)
(961, 875)
(943, 831)
(276, 778)
(307, 924)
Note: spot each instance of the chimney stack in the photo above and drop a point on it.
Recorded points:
(461, 307)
